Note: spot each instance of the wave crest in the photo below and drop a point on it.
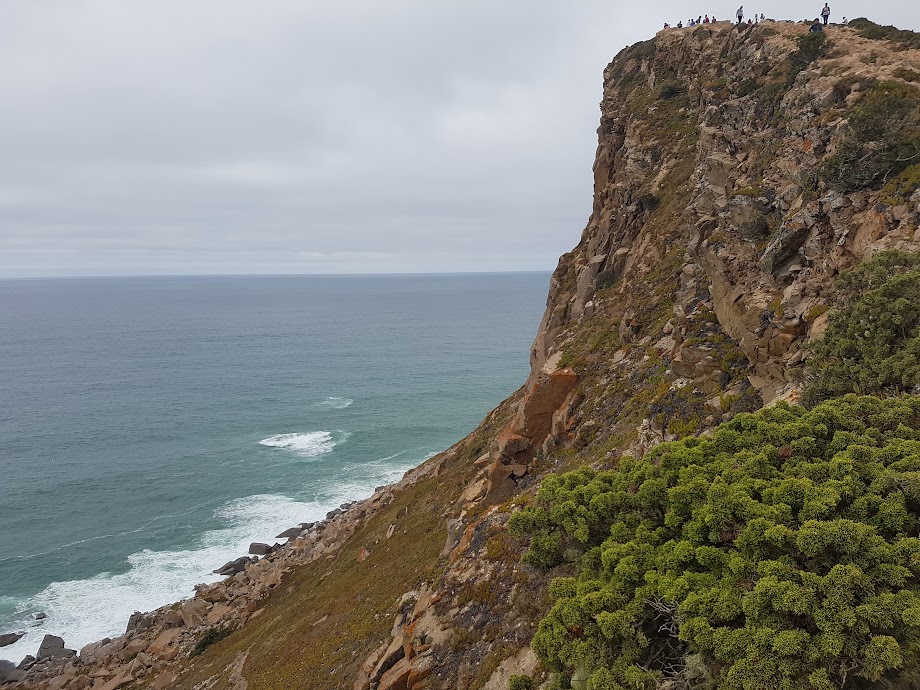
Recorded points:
(335, 403)
(308, 445)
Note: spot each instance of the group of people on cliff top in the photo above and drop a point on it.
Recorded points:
(757, 18)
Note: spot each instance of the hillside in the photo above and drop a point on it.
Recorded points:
(738, 174)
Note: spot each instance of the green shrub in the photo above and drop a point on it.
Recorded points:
(872, 342)
(782, 552)
(770, 93)
(520, 683)
(811, 47)
(671, 89)
(883, 138)
(648, 202)
(747, 87)
(902, 37)
(757, 229)
(212, 636)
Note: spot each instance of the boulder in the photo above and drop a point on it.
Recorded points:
(516, 471)
(260, 549)
(421, 669)
(784, 245)
(6, 668)
(52, 647)
(289, 533)
(10, 638)
(233, 567)
(163, 641)
(218, 612)
(92, 650)
(123, 677)
(138, 621)
(397, 678)
(132, 649)
(194, 612)
(58, 682)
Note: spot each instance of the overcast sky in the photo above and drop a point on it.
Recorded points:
(298, 136)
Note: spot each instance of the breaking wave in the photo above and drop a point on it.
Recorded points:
(335, 403)
(308, 445)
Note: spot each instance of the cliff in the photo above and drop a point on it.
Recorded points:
(738, 172)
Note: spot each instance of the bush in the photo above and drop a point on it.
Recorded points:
(872, 342)
(883, 138)
(782, 552)
(671, 89)
(212, 636)
(520, 683)
(811, 47)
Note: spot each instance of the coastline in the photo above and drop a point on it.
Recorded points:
(153, 639)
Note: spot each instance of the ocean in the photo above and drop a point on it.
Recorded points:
(151, 428)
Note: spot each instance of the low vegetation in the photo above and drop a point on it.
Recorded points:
(782, 552)
(212, 636)
(883, 140)
(901, 37)
(872, 343)
(811, 47)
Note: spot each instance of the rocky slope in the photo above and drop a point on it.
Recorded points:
(727, 198)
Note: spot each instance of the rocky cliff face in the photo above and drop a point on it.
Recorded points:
(721, 218)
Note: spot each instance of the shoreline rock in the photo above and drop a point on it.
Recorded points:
(6, 639)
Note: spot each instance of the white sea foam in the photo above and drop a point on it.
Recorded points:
(308, 445)
(335, 403)
(83, 611)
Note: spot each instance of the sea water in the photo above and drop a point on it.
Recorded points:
(151, 428)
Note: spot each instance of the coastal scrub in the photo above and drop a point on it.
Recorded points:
(782, 552)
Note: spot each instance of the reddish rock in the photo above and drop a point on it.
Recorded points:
(421, 669)
(218, 612)
(397, 678)
(547, 395)
(163, 641)
(464, 544)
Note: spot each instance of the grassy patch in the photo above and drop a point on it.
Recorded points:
(900, 189)
(900, 37)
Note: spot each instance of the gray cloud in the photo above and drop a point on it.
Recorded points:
(143, 136)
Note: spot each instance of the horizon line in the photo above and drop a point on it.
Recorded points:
(270, 275)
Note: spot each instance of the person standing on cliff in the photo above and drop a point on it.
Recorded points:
(826, 13)
(740, 14)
